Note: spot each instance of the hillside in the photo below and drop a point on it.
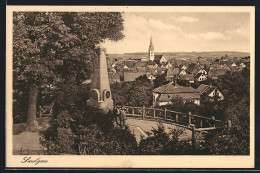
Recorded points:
(183, 55)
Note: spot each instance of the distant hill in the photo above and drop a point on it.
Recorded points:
(183, 55)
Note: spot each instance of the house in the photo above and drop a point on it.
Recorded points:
(186, 78)
(125, 67)
(130, 75)
(144, 59)
(200, 77)
(184, 67)
(168, 65)
(242, 65)
(166, 94)
(203, 71)
(193, 68)
(183, 72)
(140, 65)
(160, 59)
(151, 65)
(216, 73)
(150, 77)
(190, 68)
(233, 65)
(210, 91)
(172, 73)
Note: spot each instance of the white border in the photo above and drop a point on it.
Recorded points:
(66, 161)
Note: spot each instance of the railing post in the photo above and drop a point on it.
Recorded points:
(176, 118)
(213, 118)
(143, 111)
(165, 112)
(201, 123)
(133, 111)
(193, 137)
(154, 113)
(228, 126)
(189, 119)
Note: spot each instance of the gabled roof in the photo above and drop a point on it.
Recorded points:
(157, 57)
(190, 68)
(198, 75)
(217, 72)
(151, 63)
(202, 88)
(140, 64)
(212, 88)
(173, 71)
(187, 77)
(171, 88)
(206, 89)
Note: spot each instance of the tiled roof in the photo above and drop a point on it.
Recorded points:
(151, 63)
(158, 57)
(210, 90)
(174, 89)
(217, 72)
(206, 89)
(140, 64)
(173, 71)
(202, 88)
(187, 77)
(190, 68)
(185, 96)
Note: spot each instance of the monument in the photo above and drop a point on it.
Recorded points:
(100, 94)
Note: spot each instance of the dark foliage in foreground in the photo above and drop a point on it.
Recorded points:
(78, 129)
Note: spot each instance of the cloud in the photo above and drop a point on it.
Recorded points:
(161, 25)
(187, 19)
(213, 36)
(241, 32)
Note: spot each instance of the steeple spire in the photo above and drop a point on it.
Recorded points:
(151, 50)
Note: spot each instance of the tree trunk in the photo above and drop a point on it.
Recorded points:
(32, 102)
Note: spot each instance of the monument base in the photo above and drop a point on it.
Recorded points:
(105, 106)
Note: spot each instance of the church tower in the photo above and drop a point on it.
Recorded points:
(151, 50)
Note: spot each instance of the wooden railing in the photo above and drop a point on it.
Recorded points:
(182, 119)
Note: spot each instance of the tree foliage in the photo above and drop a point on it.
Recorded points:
(51, 48)
(136, 93)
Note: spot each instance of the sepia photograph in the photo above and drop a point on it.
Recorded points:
(149, 86)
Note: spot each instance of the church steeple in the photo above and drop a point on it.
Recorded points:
(151, 50)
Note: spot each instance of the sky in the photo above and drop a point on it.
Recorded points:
(183, 32)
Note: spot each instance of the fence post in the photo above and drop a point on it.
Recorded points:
(189, 119)
(165, 112)
(40, 113)
(228, 126)
(154, 113)
(213, 118)
(201, 123)
(176, 118)
(133, 112)
(143, 111)
(193, 136)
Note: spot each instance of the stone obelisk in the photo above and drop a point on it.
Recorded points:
(100, 93)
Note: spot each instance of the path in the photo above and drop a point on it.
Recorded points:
(139, 127)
